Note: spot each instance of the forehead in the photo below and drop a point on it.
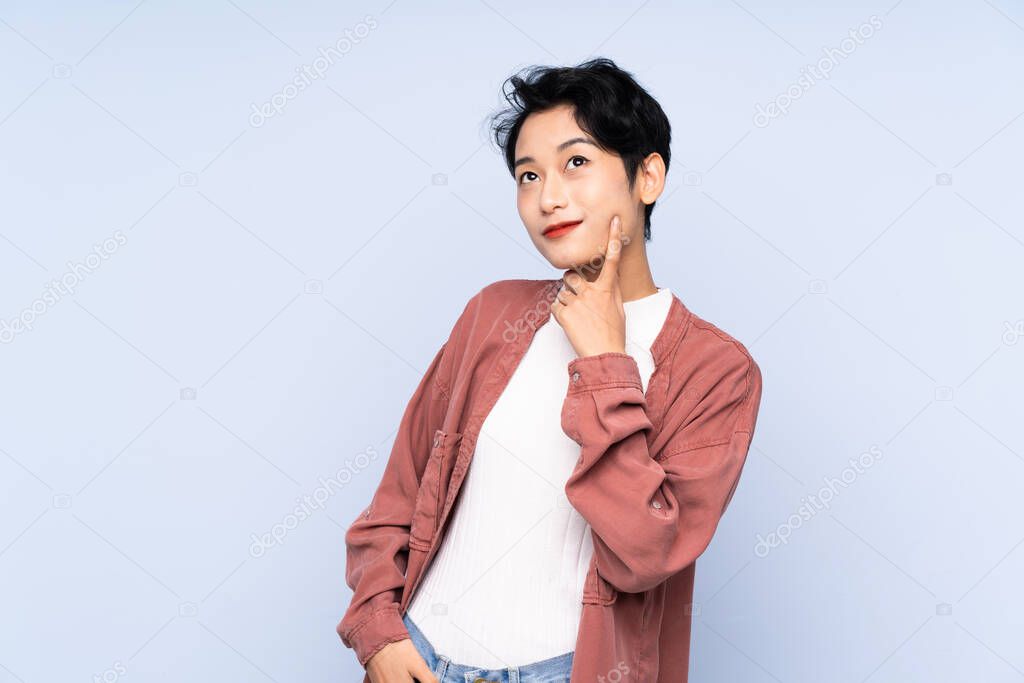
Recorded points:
(542, 132)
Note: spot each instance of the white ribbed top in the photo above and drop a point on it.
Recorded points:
(506, 586)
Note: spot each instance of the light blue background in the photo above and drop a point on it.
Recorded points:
(282, 287)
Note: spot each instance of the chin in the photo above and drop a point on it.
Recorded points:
(567, 251)
(566, 259)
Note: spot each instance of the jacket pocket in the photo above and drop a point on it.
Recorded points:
(597, 591)
(433, 487)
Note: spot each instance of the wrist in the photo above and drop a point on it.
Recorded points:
(601, 350)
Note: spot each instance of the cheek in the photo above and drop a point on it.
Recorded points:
(602, 197)
(523, 206)
(604, 191)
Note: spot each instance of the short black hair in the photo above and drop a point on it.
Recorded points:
(609, 105)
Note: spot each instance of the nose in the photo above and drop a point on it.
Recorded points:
(553, 195)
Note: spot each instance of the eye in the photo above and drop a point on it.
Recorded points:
(577, 156)
(524, 174)
(583, 159)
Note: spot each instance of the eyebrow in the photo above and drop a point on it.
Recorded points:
(561, 147)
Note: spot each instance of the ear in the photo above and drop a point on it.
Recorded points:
(650, 182)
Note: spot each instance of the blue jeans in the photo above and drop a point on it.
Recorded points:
(553, 670)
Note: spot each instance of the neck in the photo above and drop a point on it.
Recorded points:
(632, 285)
(635, 279)
(637, 289)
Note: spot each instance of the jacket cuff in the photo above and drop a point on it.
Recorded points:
(609, 369)
(380, 628)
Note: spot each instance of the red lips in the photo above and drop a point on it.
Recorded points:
(559, 229)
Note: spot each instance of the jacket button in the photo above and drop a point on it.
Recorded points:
(575, 377)
(656, 505)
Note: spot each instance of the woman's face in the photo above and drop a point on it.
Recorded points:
(558, 182)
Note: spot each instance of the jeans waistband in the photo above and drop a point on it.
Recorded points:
(552, 669)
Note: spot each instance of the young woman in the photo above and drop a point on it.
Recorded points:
(607, 426)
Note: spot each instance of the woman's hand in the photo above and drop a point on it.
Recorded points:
(591, 313)
(399, 662)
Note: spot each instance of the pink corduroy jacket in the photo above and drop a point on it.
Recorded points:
(655, 474)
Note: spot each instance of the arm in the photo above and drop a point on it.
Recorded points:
(653, 514)
(378, 541)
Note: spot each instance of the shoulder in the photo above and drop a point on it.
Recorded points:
(707, 340)
(504, 297)
(502, 300)
(485, 318)
(514, 291)
(717, 376)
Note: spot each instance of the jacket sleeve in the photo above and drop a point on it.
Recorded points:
(653, 514)
(378, 541)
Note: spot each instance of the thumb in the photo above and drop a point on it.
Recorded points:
(610, 269)
(422, 673)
